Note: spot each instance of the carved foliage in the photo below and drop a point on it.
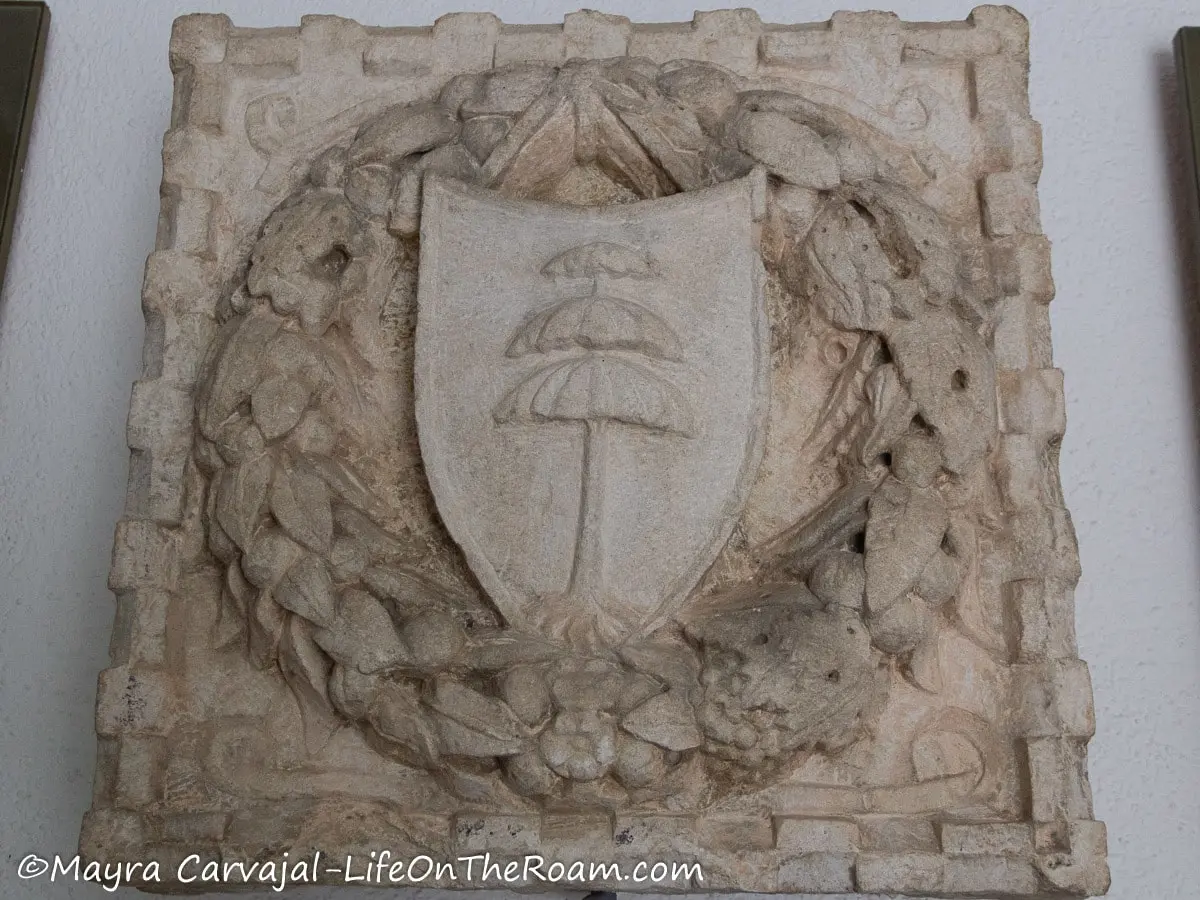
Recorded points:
(749, 678)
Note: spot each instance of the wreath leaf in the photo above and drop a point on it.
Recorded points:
(238, 366)
(265, 627)
(240, 496)
(341, 478)
(307, 590)
(306, 670)
(891, 413)
(471, 724)
(666, 720)
(850, 268)
(300, 504)
(496, 649)
(399, 717)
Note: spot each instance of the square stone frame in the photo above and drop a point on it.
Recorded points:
(1057, 849)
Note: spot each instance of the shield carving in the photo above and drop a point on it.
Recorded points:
(591, 394)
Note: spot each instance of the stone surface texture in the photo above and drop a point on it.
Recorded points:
(605, 440)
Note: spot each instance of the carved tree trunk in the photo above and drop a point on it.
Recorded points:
(587, 571)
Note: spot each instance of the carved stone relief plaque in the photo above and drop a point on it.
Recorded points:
(609, 442)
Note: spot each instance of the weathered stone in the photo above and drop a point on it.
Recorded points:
(812, 835)
(831, 873)
(788, 149)
(988, 840)
(898, 834)
(666, 720)
(362, 635)
(401, 131)
(576, 441)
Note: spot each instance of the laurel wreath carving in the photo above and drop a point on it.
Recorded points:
(752, 676)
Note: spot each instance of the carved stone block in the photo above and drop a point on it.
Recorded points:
(608, 442)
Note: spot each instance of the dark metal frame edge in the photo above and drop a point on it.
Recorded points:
(11, 179)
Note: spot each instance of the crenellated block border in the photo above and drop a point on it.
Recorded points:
(1056, 851)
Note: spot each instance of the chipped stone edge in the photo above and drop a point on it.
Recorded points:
(1058, 851)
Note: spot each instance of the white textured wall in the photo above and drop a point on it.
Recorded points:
(1126, 330)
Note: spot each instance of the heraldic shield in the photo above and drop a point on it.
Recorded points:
(591, 396)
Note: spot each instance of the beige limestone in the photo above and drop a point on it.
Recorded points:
(610, 442)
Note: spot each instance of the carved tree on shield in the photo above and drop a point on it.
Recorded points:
(597, 387)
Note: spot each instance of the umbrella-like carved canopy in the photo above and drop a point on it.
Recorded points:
(599, 385)
(596, 388)
(602, 257)
(597, 322)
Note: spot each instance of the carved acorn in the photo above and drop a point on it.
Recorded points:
(639, 763)
(434, 641)
(839, 579)
(901, 627)
(529, 774)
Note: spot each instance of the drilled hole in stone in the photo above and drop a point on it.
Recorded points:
(334, 263)
(959, 380)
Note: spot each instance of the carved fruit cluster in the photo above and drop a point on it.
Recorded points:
(783, 674)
